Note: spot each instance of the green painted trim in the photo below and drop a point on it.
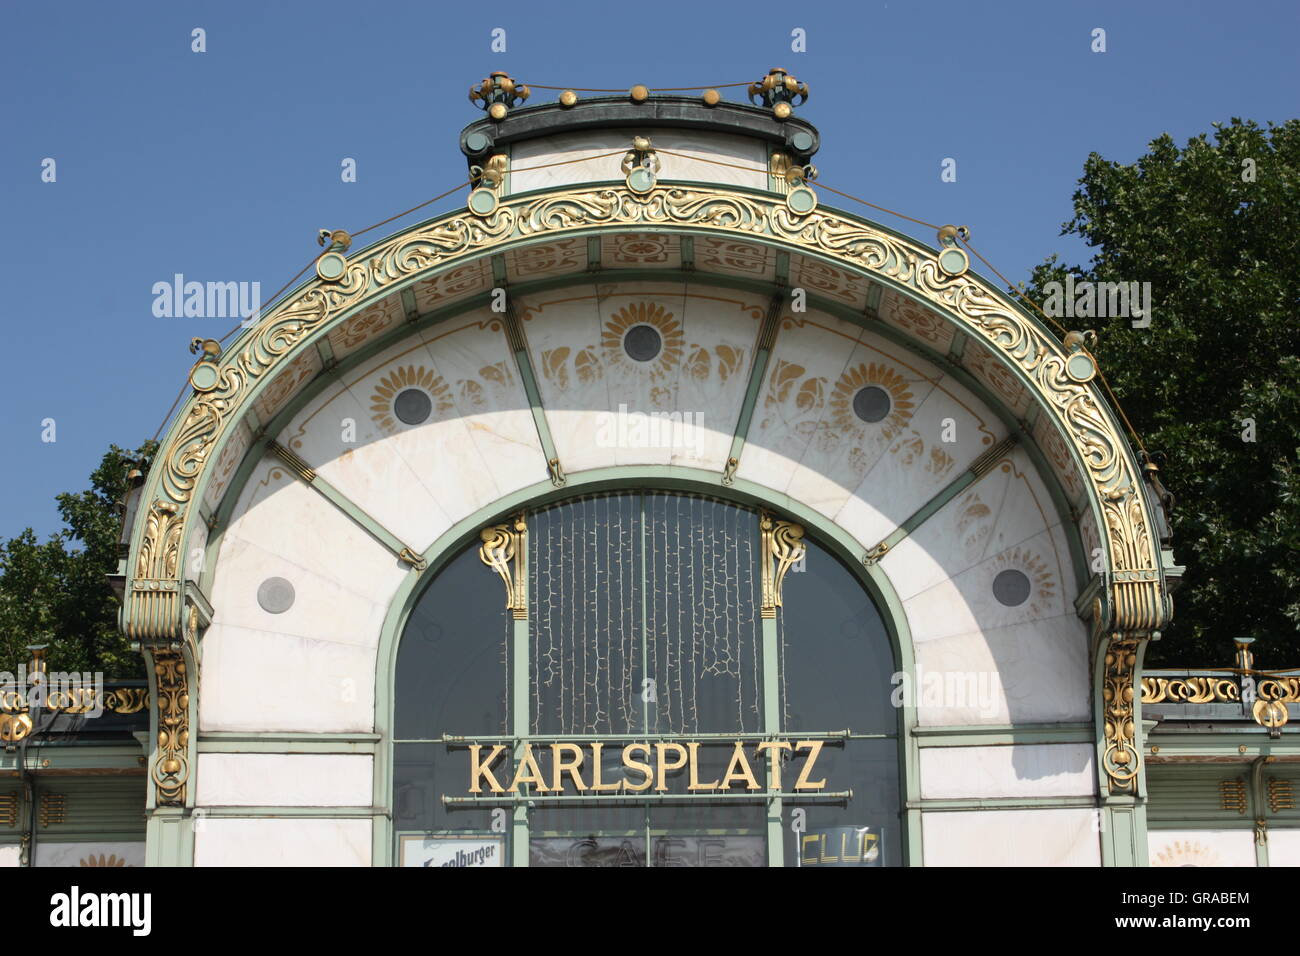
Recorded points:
(1005, 803)
(169, 837)
(241, 743)
(772, 724)
(65, 757)
(359, 515)
(295, 813)
(1003, 735)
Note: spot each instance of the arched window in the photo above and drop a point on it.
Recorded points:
(644, 701)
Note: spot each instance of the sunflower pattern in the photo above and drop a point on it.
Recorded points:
(901, 405)
(399, 379)
(1042, 583)
(111, 860)
(1186, 853)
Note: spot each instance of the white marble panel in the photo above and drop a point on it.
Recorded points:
(264, 681)
(90, 853)
(285, 780)
(10, 855)
(590, 149)
(283, 516)
(966, 601)
(563, 339)
(1062, 837)
(283, 842)
(472, 354)
(809, 357)
(366, 469)
(844, 449)
(1283, 847)
(322, 609)
(1204, 848)
(1035, 672)
(441, 451)
(1019, 770)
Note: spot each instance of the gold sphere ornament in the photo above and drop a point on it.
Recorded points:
(782, 111)
(497, 111)
(639, 93)
(712, 97)
(568, 98)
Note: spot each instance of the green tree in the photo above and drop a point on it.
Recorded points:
(1213, 383)
(56, 592)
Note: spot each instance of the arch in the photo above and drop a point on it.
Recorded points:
(165, 607)
(669, 478)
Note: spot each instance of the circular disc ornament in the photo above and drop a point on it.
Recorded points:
(801, 200)
(954, 262)
(640, 180)
(331, 266)
(1080, 367)
(204, 377)
(482, 202)
(477, 142)
(802, 141)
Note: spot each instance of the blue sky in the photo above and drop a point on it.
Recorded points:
(223, 165)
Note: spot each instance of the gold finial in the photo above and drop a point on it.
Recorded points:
(568, 98)
(712, 97)
(639, 93)
(497, 94)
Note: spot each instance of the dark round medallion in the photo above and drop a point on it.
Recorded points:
(642, 343)
(1011, 588)
(871, 404)
(413, 406)
(275, 595)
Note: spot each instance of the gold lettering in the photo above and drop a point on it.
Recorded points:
(695, 784)
(774, 760)
(825, 858)
(661, 749)
(803, 850)
(560, 766)
(596, 782)
(745, 773)
(803, 783)
(637, 765)
(482, 769)
(533, 775)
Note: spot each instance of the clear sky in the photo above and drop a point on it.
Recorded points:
(223, 165)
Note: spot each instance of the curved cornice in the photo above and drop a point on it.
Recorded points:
(1133, 597)
(658, 112)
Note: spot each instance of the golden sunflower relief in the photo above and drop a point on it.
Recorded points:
(409, 395)
(643, 336)
(1022, 578)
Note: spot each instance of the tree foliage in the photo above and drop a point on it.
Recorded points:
(57, 593)
(1215, 228)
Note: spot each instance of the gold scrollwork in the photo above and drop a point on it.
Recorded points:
(783, 547)
(171, 768)
(1138, 602)
(1189, 690)
(1120, 761)
(504, 550)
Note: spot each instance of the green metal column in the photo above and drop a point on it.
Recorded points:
(772, 725)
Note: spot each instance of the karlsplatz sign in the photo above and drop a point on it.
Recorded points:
(584, 766)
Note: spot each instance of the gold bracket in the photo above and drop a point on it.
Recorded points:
(783, 546)
(292, 461)
(729, 471)
(556, 472)
(411, 558)
(504, 550)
